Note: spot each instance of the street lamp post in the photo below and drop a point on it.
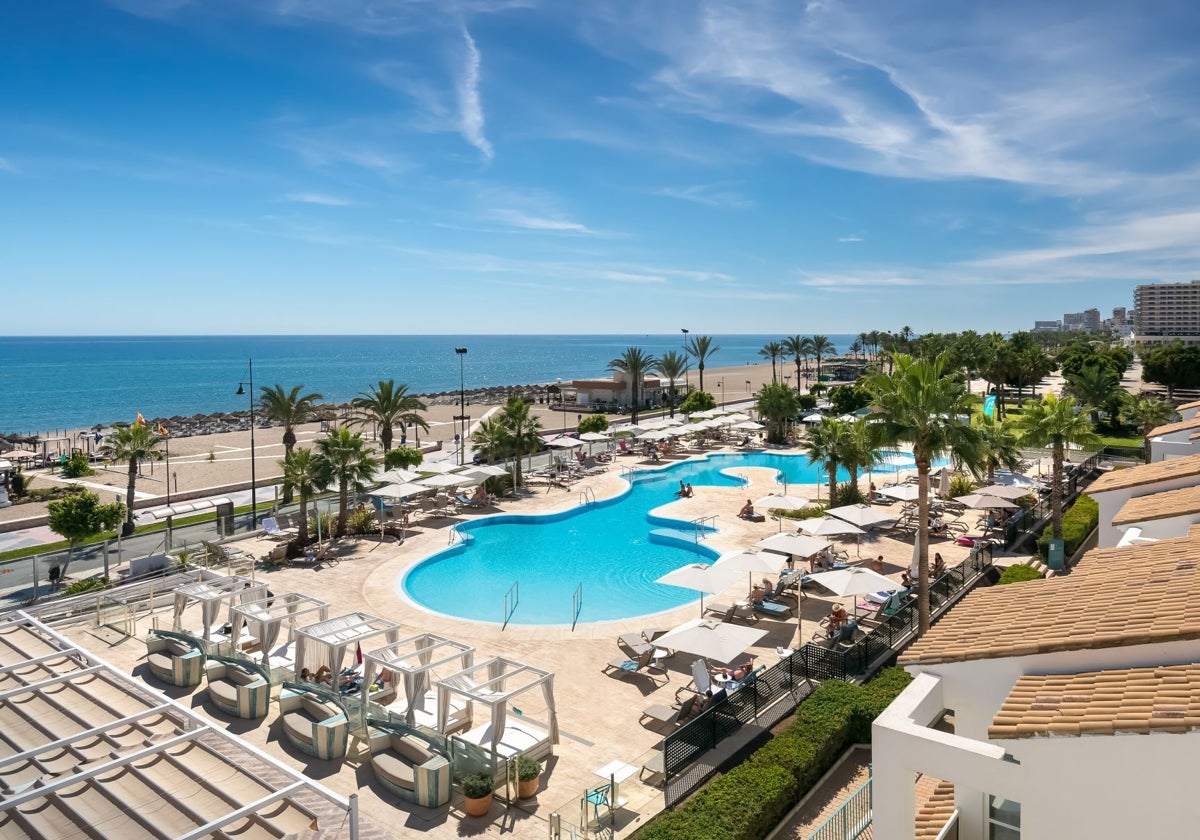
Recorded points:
(253, 478)
(461, 352)
(747, 386)
(721, 385)
(686, 386)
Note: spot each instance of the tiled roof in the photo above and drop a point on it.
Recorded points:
(1129, 595)
(1181, 426)
(1162, 505)
(1126, 700)
(1189, 465)
(935, 813)
(1186, 406)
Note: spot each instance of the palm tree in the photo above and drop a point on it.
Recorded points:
(305, 475)
(672, 366)
(1094, 386)
(134, 443)
(772, 350)
(864, 339)
(777, 405)
(488, 437)
(289, 409)
(1000, 447)
(386, 405)
(700, 347)
(799, 347)
(345, 458)
(1149, 413)
(635, 363)
(825, 444)
(920, 405)
(821, 346)
(860, 448)
(520, 432)
(1058, 423)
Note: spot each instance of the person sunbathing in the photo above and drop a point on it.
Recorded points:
(837, 617)
(747, 510)
(322, 675)
(736, 673)
(480, 499)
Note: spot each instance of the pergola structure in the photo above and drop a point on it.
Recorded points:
(265, 618)
(493, 683)
(91, 751)
(211, 594)
(325, 643)
(413, 660)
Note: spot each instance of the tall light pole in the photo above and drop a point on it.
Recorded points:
(461, 352)
(721, 385)
(686, 386)
(253, 478)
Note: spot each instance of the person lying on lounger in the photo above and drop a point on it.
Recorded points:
(735, 673)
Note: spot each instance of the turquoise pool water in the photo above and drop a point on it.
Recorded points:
(615, 548)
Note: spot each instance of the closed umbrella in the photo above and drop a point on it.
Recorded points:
(702, 577)
(712, 639)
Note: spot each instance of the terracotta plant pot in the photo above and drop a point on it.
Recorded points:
(478, 807)
(529, 789)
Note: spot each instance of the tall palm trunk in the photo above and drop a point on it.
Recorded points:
(302, 528)
(127, 525)
(922, 544)
(831, 469)
(1056, 491)
(343, 505)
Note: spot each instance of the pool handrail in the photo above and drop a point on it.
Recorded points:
(576, 604)
(511, 598)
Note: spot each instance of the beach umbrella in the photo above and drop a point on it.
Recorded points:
(900, 492)
(864, 516)
(979, 501)
(829, 526)
(702, 577)
(797, 545)
(711, 639)
(438, 467)
(856, 581)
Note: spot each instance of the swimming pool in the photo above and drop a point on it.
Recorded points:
(615, 549)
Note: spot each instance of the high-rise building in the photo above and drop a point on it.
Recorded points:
(1047, 326)
(1073, 321)
(1167, 312)
(1091, 320)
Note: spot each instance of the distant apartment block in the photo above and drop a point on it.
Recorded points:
(1047, 326)
(1167, 312)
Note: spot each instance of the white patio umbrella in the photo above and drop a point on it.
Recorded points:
(864, 516)
(980, 501)
(712, 639)
(777, 501)
(812, 418)
(450, 480)
(703, 415)
(764, 562)
(564, 443)
(749, 426)
(485, 471)
(400, 491)
(702, 577)
(900, 492)
(829, 526)
(1011, 492)
(593, 437)
(856, 581)
(796, 545)
(396, 475)
(438, 467)
(738, 417)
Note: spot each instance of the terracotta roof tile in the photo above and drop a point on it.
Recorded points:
(1165, 698)
(1186, 406)
(1184, 467)
(1162, 505)
(935, 813)
(1115, 597)
(1180, 426)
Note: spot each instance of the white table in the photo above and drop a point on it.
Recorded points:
(616, 772)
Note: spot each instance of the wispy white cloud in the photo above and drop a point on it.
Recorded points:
(319, 198)
(520, 219)
(470, 106)
(711, 195)
(850, 238)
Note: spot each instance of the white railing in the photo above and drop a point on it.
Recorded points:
(587, 496)
(511, 598)
(576, 604)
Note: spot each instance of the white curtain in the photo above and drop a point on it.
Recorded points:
(496, 671)
(209, 607)
(548, 693)
(181, 600)
(235, 629)
(268, 632)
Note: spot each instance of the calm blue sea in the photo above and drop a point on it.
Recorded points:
(60, 382)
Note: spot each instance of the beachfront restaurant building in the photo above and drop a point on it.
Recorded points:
(1053, 708)
(617, 391)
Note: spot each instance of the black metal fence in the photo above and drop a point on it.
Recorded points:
(762, 702)
(1027, 521)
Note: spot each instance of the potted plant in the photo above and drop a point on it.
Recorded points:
(529, 770)
(477, 791)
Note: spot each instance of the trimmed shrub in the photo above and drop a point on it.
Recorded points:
(1018, 573)
(806, 512)
(961, 485)
(1078, 522)
(77, 465)
(751, 799)
(849, 494)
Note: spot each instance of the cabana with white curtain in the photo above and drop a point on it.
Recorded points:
(493, 683)
(211, 594)
(264, 619)
(411, 664)
(326, 642)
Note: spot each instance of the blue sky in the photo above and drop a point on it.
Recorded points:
(513, 166)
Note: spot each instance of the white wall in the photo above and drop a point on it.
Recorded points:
(1111, 501)
(1166, 528)
(1175, 445)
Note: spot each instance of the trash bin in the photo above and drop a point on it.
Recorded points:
(1054, 554)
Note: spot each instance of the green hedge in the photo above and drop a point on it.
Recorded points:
(752, 798)
(1078, 522)
(1018, 573)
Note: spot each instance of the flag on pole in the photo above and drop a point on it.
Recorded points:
(162, 430)
(141, 421)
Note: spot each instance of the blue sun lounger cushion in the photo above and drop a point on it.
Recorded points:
(773, 608)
